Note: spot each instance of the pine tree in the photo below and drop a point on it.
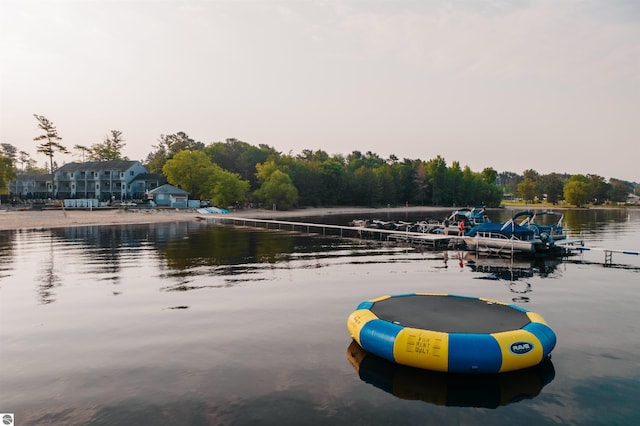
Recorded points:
(51, 137)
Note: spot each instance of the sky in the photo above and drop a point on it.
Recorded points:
(548, 85)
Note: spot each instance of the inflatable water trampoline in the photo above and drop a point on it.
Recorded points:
(451, 333)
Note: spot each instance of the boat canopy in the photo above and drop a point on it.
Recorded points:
(508, 229)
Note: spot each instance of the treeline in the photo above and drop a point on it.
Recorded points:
(315, 178)
(576, 190)
(233, 172)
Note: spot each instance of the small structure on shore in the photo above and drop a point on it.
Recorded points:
(169, 196)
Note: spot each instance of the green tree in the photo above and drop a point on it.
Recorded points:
(403, 173)
(527, 190)
(51, 138)
(306, 176)
(109, 149)
(420, 183)
(7, 173)
(333, 181)
(533, 177)
(266, 169)
(489, 175)
(619, 190)
(454, 188)
(240, 157)
(9, 151)
(472, 185)
(577, 190)
(224, 188)
(600, 189)
(552, 185)
(365, 187)
(386, 183)
(168, 146)
(189, 170)
(436, 172)
(509, 181)
(278, 190)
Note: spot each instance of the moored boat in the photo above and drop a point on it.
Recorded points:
(554, 231)
(468, 217)
(511, 238)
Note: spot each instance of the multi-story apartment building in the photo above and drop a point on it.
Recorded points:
(101, 180)
(31, 186)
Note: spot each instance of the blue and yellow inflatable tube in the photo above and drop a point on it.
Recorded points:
(451, 333)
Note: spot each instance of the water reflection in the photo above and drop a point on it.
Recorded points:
(185, 245)
(459, 390)
(6, 249)
(510, 268)
(48, 276)
(592, 221)
(514, 272)
(194, 255)
(182, 256)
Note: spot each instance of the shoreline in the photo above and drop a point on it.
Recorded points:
(14, 220)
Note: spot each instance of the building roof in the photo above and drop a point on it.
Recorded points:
(98, 166)
(33, 177)
(149, 176)
(168, 189)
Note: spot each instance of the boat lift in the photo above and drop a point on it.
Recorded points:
(608, 253)
(578, 245)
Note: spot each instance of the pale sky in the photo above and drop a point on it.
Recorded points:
(549, 85)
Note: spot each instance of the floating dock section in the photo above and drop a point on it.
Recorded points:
(433, 241)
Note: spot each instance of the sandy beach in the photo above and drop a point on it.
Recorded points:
(44, 219)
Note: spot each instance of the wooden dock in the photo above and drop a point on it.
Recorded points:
(417, 239)
(433, 241)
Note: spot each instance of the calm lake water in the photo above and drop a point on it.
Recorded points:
(200, 324)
